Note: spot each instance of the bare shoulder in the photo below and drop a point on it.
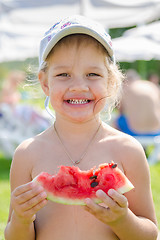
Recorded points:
(130, 152)
(24, 160)
(26, 151)
(133, 158)
(31, 147)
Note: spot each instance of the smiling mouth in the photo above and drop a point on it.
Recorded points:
(78, 101)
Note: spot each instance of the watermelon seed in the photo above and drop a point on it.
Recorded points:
(114, 165)
(93, 177)
(94, 184)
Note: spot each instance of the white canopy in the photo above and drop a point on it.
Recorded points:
(139, 43)
(23, 22)
(112, 13)
(122, 13)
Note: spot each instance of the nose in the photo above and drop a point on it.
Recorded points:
(79, 84)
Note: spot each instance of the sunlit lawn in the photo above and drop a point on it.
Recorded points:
(155, 181)
(4, 194)
(5, 191)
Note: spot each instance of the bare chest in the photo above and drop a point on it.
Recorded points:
(50, 159)
(59, 222)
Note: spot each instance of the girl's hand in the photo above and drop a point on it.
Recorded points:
(26, 200)
(115, 207)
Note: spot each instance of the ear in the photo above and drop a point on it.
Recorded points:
(42, 76)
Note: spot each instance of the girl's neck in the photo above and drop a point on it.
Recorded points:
(75, 129)
(76, 139)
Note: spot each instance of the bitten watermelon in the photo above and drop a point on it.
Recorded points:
(71, 185)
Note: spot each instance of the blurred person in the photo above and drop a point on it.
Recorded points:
(10, 100)
(139, 108)
(132, 75)
(10, 93)
(153, 77)
(17, 116)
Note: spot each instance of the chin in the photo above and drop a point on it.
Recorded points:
(81, 119)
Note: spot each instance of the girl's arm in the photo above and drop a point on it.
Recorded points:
(26, 198)
(131, 216)
(16, 229)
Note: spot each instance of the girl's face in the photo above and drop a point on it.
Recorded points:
(76, 81)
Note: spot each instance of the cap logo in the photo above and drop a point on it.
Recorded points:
(49, 38)
(65, 25)
(110, 43)
(50, 30)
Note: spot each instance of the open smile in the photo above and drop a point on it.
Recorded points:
(78, 101)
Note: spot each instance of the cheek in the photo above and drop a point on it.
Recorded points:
(56, 96)
(102, 96)
(53, 88)
(100, 104)
(102, 90)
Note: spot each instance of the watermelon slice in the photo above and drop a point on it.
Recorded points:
(71, 185)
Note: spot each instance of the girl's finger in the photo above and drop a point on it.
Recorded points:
(33, 201)
(107, 200)
(26, 196)
(92, 207)
(30, 215)
(24, 188)
(35, 209)
(118, 198)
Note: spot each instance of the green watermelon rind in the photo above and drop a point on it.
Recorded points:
(126, 188)
(68, 201)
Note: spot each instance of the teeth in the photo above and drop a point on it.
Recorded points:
(78, 101)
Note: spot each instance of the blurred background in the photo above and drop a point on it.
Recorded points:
(135, 30)
(133, 25)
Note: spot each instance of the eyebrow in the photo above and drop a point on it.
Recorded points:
(59, 67)
(65, 66)
(95, 68)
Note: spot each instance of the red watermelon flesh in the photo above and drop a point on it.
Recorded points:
(71, 185)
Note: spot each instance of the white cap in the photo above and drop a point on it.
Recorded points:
(74, 25)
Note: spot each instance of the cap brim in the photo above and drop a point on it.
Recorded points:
(76, 30)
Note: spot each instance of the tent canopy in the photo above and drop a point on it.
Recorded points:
(139, 43)
(23, 22)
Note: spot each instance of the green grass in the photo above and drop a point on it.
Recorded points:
(4, 205)
(5, 191)
(155, 183)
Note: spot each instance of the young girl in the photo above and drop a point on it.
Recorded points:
(78, 73)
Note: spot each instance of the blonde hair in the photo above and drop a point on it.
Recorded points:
(115, 76)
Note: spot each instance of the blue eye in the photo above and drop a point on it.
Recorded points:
(93, 75)
(63, 75)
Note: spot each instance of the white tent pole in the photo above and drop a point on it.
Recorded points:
(82, 7)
